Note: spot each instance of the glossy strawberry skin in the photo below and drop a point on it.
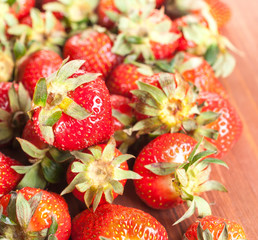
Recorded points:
(37, 65)
(71, 134)
(95, 48)
(204, 77)
(21, 8)
(8, 177)
(70, 176)
(51, 204)
(30, 135)
(121, 104)
(228, 124)
(158, 191)
(215, 226)
(116, 222)
(123, 79)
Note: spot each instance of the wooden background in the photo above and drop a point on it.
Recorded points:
(240, 203)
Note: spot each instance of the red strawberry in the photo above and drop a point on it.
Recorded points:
(14, 105)
(43, 30)
(34, 210)
(8, 177)
(37, 65)
(123, 79)
(22, 8)
(195, 70)
(73, 111)
(116, 222)
(216, 228)
(150, 35)
(228, 125)
(110, 5)
(98, 174)
(95, 48)
(172, 173)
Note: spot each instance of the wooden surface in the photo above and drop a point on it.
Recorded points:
(241, 180)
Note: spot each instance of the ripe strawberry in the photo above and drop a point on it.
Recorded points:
(41, 30)
(22, 8)
(36, 214)
(37, 65)
(151, 35)
(106, 6)
(124, 77)
(123, 119)
(228, 125)
(215, 228)
(116, 222)
(173, 172)
(8, 177)
(76, 13)
(200, 36)
(95, 48)
(72, 108)
(195, 70)
(14, 105)
(98, 174)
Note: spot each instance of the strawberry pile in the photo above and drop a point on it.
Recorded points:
(85, 86)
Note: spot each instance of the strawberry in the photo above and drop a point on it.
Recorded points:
(8, 177)
(98, 174)
(72, 108)
(107, 6)
(39, 30)
(95, 48)
(37, 65)
(75, 13)
(195, 70)
(116, 222)
(14, 105)
(32, 213)
(123, 119)
(215, 228)
(124, 77)
(172, 172)
(22, 8)
(200, 36)
(228, 125)
(145, 33)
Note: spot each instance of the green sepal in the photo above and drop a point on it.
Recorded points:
(211, 54)
(121, 174)
(19, 49)
(104, 238)
(162, 168)
(123, 118)
(53, 227)
(13, 99)
(97, 198)
(23, 211)
(59, 155)
(188, 213)
(52, 171)
(207, 117)
(53, 118)
(166, 66)
(40, 93)
(202, 206)
(212, 185)
(33, 178)
(31, 149)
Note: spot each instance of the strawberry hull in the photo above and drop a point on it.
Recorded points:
(72, 134)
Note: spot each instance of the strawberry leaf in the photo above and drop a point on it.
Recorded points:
(53, 171)
(23, 211)
(53, 227)
(117, 186)
(40, 93)
(211, 54)
(52, 119)
(202, 206)
(163, 168)
(19, 49)
(224, 233)
(13, 99)
(34, 202)
(97, 198)
(188, 213)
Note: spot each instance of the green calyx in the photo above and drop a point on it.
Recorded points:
(168, 107)
(46, 165)
(138, 28)
(77, 13)
(20, 212)
(42, 34)
(12, 123)
(99, 173)
(190, 179)
(51, 95)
